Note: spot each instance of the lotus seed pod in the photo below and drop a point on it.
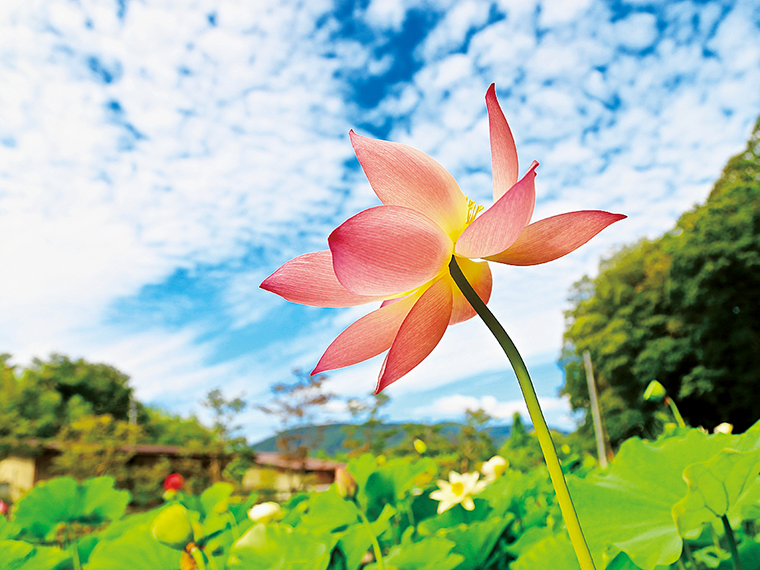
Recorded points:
(420, 446)
(173, 527)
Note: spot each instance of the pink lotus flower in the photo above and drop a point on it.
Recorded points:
(398, 253)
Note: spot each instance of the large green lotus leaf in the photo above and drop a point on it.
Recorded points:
(623, 562)
(131, 546)
(432, 553)
(46, 505)
(356, 540)
(715, 486)
(630, 507)
(100, 501)
(528, 538)
(328, 511)
(8, 530)
(215, 499)
(19, 555)
(476, 541)
(279, 546)
(63, 500)
(555, 552)
(455, 517)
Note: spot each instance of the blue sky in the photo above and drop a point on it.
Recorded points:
(159, 158)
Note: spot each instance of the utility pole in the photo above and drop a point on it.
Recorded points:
(595, 413)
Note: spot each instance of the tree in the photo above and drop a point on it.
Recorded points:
(295, 405)
(475, 444)
(683, 309)
(103, 386)
(227, 442)
(369, 436)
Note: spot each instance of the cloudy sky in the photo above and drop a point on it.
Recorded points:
(159, 158)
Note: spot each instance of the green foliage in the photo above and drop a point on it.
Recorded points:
(683, 309)
(19, 555)
(658, 500)
(667, 487)
(64, 500)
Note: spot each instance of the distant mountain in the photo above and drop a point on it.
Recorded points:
(329, 437)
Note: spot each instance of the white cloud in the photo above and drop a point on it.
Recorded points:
(226, 145)
(557, 12)
(455, 406)
(637, 31)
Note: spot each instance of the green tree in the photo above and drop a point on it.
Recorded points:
(475, 444)
(231, 448)
(370, 436)
(683, 309)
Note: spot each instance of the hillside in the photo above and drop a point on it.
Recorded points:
(329, 437)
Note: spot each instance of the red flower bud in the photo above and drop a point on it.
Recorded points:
(174, 482)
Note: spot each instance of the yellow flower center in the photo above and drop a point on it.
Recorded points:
(457, 488)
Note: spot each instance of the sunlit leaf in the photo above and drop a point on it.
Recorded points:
(279, 546)
(556, 549)
(431, 553)
(356, 540)
(328, 511)
(715, 486)
(18, 555)
(630, 507)
(63, 500)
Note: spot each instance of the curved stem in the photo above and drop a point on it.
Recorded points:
(537, 417)
(676, 414)
(375, 543)
(731, 543)
(197, 555)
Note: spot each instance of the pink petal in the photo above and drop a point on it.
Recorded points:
(479, 276)
(388, 250)
(503, 150)
(309, 279)
(499, 226)
(551, 238)
(403, 176)
(419, 333)
(367, 337)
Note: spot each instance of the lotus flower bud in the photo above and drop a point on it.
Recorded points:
(655, 392)
(3, 507)
(265, 512)
(173, 527)
(345, 483)
(174, 482)
(494, 468)
(725, 427)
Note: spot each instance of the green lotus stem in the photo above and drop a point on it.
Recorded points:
(689, 555)
(536, 415)
(375, 543)
(73, 548)
(731, 543)
(233, 524)
(197, 555)
(675, 412)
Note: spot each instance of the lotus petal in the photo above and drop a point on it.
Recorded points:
(551, 238)
(403, 176)
(387, 250)
(309, 279)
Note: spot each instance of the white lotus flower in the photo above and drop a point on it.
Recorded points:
(458, 490)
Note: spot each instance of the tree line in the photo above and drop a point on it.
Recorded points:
(683, 309)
